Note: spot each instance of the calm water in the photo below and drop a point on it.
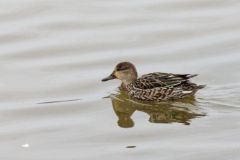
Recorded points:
(53, 54)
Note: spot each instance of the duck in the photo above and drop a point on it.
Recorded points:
(154, 87)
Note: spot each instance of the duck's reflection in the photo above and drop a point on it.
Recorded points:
(165, 112)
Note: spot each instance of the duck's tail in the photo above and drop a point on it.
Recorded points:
(201, 86)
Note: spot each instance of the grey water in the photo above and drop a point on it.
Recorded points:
(53, 55)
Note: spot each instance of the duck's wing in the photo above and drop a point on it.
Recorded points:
(158, 79)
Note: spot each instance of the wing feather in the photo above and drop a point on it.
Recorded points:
(158, 79)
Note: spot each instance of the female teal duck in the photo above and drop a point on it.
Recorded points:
(153, 86)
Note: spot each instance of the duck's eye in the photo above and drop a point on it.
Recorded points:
(122, 68)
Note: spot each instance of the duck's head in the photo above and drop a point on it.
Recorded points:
(124, 71)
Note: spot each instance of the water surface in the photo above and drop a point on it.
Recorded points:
(53, 55)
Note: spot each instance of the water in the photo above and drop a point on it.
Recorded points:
(54, 54)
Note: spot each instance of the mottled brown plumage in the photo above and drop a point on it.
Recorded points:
(154, 86)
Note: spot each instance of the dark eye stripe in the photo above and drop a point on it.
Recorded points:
(122, 68)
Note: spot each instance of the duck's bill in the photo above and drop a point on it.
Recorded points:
(108, 78)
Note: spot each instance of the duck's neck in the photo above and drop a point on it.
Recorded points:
(129, 80)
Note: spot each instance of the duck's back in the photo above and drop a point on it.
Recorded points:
(162, 86)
